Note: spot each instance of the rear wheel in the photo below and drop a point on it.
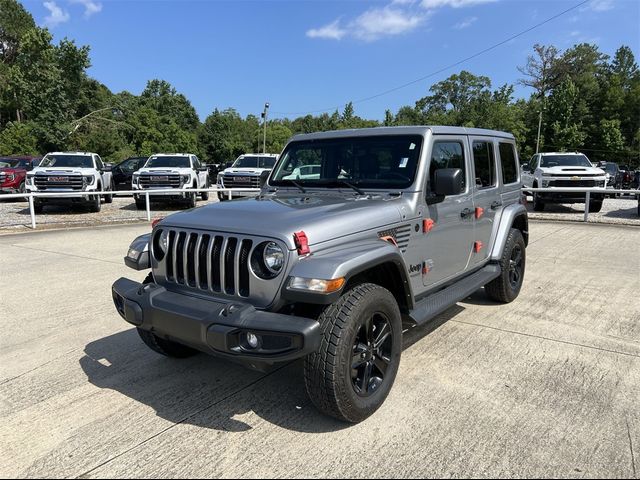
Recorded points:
(507, 286)
(205, 195)
(351, 374)
(538, 204)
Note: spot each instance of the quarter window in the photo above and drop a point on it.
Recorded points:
(484, 164)
(509, 163)
(447, 155)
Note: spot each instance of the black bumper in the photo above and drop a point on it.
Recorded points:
(568, 197)
(216, 327)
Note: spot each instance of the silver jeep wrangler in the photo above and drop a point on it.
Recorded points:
(390, 228)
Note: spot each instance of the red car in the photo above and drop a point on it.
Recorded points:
(13, 172)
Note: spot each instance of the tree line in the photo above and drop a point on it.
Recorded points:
(582, 100)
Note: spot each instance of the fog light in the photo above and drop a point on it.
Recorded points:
(252, 340)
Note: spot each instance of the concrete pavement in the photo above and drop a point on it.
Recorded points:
(548, 386)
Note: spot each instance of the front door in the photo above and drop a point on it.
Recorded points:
(448, 244)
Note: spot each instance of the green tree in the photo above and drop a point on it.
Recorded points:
(18, 139)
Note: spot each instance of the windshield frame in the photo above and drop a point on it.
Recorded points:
(340, 182)
(147, 164)
(45, 162)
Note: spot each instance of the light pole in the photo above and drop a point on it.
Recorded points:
(264, 123)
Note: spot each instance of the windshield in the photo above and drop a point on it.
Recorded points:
(132, 164)
(168, 162)
(14, 162)
(609, 168)
(388, 161)
(254, 162)
(78, 161)
(549, 161)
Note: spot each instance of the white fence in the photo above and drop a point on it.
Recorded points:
(115, 193)
(231, 191)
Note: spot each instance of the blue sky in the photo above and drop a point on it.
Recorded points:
(307, 55)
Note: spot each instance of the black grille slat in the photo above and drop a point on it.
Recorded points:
(202, 262)
(190, 259)
(229, 276)
(179, 260)
(215, 264)
(169, 256)
(243, 281)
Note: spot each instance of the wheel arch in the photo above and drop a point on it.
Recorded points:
(513, 216)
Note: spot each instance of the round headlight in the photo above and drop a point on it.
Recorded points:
(163, 241)
(273, 257)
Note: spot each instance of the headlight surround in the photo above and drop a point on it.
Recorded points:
(185, 179)
(11, 177)
(134, 179)
(160, 244)
(88, 180)
(267, 260)
(29, 180)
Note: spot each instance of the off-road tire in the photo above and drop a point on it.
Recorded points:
(595, 206)
(161, 345)
(328, 372)
(38, 207)
(503, 289)
(141, 204)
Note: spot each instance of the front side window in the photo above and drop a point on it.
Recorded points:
(484, 164)
(447, 155)
(385, 161)
(68, 161)
(161, 161)
(509, 163)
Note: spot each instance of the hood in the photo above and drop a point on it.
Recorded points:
(321, 217)
(245, 171)
(560, 170)
(60, 171)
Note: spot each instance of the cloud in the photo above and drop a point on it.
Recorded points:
(90, 6)
(433, 4)
(387, 21)
(56, 15)
(599, 5)
(466, 23)
(332, 31)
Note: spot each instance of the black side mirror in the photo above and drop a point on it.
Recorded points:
(264, 177)
(525, 166)
(448, 181)
(107, 168)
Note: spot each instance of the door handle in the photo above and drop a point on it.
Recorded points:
(495, 205)
(465, 213)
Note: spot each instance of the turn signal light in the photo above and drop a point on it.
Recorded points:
(316, 284)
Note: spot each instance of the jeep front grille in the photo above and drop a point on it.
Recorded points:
(213, 263)
(159, 181)
(400, 236)
(69, 182)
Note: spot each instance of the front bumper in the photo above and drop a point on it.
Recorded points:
(567, 197)
(216, 327)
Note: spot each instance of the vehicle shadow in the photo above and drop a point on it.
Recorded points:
(211, 393)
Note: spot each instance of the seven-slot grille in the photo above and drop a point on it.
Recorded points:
(240, 181)
(399, 234)
(52, 180)
(154, 180)
(208, 262)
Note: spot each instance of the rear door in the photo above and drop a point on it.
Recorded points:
(202, 175)
(447, 246)
(486, 196)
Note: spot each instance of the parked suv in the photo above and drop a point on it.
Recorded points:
(13, 173)
(70, 172)
(123, 172)
(169, 172)
(563, 170)
(248, 171)
(613, 174)
(399, 225)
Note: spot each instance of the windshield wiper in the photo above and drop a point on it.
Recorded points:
(295, 184)
(347, 184)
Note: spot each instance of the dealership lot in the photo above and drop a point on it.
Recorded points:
(545, 386)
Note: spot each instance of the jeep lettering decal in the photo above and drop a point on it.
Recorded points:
(415, 269)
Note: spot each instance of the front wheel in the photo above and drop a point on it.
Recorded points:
(95, 204)
(507, 286)
(351, 374)
(109, 198)
(538, 204)
(595, 206)
(191, 200)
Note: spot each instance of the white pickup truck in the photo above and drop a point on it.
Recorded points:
(563, 170)
(70, 172)
(248, 171)
(169, 172)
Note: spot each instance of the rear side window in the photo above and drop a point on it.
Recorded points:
(509, 163)
(447, 155)
(484, 164)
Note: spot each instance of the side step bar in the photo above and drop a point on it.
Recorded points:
(438, 302)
